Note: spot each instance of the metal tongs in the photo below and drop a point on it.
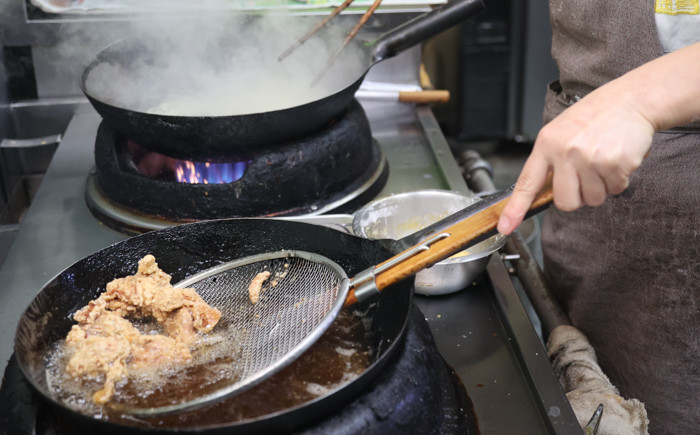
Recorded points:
(320, 25)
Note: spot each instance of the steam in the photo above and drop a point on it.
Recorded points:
(212, 66)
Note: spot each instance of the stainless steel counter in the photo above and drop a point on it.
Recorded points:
(482, 332)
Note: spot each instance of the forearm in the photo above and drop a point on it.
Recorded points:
(665, 91)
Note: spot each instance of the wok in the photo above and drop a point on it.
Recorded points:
(188, 249)
(185, 250)
(240, 135)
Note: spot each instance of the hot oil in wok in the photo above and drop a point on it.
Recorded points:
(338, 357)
(212, 367)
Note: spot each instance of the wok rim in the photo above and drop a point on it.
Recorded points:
(98, 59)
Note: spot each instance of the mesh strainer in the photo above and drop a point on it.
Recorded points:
(305, 292)
(296, 305)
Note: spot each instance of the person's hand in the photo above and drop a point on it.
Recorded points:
(591, 149)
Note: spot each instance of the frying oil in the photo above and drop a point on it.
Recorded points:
(213, 365)
(318, 371)
(338, 357)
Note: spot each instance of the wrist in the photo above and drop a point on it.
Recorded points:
(665, 91)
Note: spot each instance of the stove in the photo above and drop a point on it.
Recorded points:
(482, 332)
(340, 166)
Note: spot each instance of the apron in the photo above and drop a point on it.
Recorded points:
(628, 272)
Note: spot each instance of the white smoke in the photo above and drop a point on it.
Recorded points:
(222, 64)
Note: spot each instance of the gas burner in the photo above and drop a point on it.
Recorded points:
(134, 190)
(154, 165)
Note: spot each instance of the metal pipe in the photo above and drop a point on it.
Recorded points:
(477, 172)
(530, 275)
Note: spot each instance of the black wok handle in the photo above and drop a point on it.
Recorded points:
(425, 26)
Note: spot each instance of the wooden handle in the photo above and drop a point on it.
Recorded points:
(350, 299)
(436, 96)
(460, 235)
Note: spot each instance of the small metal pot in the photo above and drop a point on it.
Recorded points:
(398, 215)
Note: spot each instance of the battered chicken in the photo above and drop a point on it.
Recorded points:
(104, 343)
(96, 353)
(149, 293)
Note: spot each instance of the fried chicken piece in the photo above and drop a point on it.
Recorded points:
(179, 325)
(95, 354)
(158, 350)
(256, 286)
(204, 317)
(105, 343)
(101, 348)
(105, 346)
(106, 324)
(149, 293)
(98, 355)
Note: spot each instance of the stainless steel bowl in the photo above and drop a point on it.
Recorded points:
(396, 216)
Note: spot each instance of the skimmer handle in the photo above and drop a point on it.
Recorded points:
(471, 228)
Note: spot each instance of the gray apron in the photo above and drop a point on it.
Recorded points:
(628, 272)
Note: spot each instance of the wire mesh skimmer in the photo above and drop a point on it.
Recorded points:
(305, 292)
(297, 303)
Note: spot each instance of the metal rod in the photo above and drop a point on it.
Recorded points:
(477, 172)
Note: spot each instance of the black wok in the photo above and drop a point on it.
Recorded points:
(224, 137)
(188, 249)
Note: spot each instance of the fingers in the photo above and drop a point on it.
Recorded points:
(566, 187)
(616, 174)
(530, 181)
(593, 190)
(592, 149)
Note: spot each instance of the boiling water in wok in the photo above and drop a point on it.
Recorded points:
(238, 97)
(225, 71)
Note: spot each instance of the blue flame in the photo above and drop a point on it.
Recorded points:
(209, 173)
